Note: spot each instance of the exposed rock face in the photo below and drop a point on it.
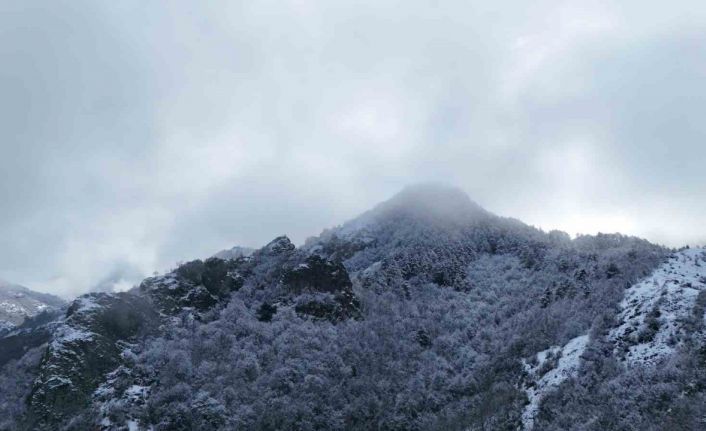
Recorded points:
(319, 276)
(84, 347)
(87, 346)
(196, 284)
(277, 246)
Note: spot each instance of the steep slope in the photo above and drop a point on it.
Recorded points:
(417, 315)
(654, 310)
(84, 348)
(549, 369)
(657, 337)
(427, 233)
(33, 332)
(88, 357)
(27, 319)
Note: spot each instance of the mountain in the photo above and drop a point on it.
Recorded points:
(426, 312)
(18, 303)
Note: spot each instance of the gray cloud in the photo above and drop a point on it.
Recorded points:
(135, 135)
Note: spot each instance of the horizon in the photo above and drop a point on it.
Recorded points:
(138, 135)
(124, 285)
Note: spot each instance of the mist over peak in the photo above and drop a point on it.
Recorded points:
(433, 200)
(430, 215)
(435, 204)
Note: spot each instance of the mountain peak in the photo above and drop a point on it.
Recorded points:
(436, 198)
(431, 202)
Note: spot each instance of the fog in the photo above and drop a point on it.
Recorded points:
(138, 134)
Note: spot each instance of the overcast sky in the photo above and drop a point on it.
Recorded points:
(137, 134)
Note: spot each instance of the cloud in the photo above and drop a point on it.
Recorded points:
(135, 135)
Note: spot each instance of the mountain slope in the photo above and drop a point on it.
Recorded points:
(654, 310)
(645, 365)
(91, 350)
(17, 303)
(658, 318)
(423, 313)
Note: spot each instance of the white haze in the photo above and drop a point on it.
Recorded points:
(138, 134)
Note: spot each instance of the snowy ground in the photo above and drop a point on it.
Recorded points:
(553, 367)
(653, 310)
(107, 397)
(653, 314)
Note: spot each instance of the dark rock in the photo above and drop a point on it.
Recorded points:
(265, 312)
(612, 270)
(84, 347)
(319, 309)
(199, 285)
(423, 339)
(191, 271)
(319, 276)
(277, 246)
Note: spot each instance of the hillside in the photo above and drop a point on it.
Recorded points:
(660, 320)
(17, 303)
(426, 312)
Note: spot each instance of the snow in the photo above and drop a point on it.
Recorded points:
(672, 290)
(169, 281)
(55, 381)
(567, 366)
(136, 392)
(372, 269)
(17, 303)
(16, 308)
(13, 308)
(132, 425)
(68, 334)
(86, 303)
(111, 394)
(103, 391)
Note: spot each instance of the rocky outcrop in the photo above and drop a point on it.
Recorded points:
(84, 347)
(99, 329)
(329, 288)
(196, 284)
(277, 246)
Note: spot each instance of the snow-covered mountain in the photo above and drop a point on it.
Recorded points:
(653, 311)
(654, 322)
(426, 312)
(17, 303)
